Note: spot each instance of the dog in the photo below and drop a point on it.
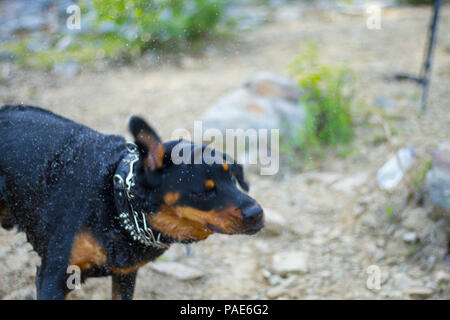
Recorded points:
(108, 207)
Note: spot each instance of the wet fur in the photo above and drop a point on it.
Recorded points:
(56, 186)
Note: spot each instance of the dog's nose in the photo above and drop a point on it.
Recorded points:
(253, 213)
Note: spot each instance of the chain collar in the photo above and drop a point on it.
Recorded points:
(134, 222)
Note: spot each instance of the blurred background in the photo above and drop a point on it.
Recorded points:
(360, 206)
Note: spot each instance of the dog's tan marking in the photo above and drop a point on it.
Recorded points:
(160, 155)
(156, 150)
(171, 197)
(209, 184)
(183, 223)
(86, 252)
(179, 228)
(225, 166)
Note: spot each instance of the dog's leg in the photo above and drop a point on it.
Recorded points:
(51, 282)
(52, 275)
(4, 212)
(123, 285)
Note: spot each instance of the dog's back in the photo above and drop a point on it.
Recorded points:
(42, 152)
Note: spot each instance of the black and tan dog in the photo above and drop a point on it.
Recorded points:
(91, 200)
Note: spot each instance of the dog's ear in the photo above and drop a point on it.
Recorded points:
(238, 172)
(148, 142)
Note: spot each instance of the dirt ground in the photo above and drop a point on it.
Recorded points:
(342, 231)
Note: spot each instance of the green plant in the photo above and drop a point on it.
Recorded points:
(327, 97)
(120, 30)
(150, 23)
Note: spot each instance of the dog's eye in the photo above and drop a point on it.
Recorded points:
(206, 194)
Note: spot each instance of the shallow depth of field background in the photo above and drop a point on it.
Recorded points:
(327, 218)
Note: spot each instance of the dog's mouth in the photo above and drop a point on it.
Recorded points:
(254, 229)
(248, 230)
(185, 223)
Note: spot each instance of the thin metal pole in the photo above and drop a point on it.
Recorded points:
(425, 76)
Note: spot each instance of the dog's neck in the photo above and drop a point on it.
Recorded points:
(131, 218)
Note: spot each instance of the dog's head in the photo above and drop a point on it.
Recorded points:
(190, 198)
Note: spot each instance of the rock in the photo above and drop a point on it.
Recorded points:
(410, 237)
(420, 293)
(274, 223)
(438, 179)
(176, 270)
(289, 261)
(266, 101)
(273, 86)
(350, 184)
(392, 172)
(266, 273)
(241, 110)
(442, 277)
(275, 280)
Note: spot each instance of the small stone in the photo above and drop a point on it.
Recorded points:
(290, 261)
(420, 293)
(176, 270)
(275, 280)
(410, 237)
(442, 277)
(266, 273)
(274, 223)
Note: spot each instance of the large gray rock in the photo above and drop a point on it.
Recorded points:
(266, 101)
